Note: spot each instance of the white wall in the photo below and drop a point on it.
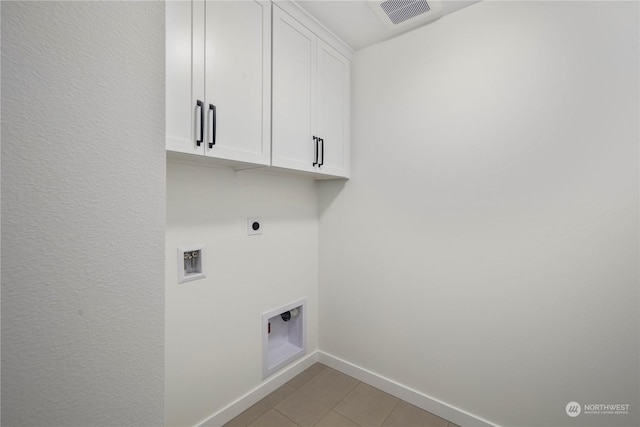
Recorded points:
(213, 325)
(485, 251)
(83, 199)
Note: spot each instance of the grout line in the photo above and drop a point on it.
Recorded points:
(333, 408)
(344, 397)
(353, 421)
(343, 415)
(391, 412)
(268, 408)
(324, 415)
(286, 417)
(316, 375)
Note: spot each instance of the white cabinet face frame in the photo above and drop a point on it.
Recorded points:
(294, 93)
(219, 85)
(238, 80)
(184, 75)
(311, 100)
(219, 79)
(333, 100)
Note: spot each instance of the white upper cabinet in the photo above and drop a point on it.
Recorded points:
(310, 100)
(218, 79)
(184, 75)
(333, 110)
(294, 93)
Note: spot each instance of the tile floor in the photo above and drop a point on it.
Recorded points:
(324, 397)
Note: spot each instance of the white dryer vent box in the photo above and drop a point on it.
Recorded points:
(283, 336)
(401, 13)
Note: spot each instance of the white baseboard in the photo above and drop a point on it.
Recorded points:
(435, 406)
(430, 404)
(268, 386)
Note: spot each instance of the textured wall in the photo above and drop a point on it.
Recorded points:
(83, 202)
(485, 251)
(214, 325)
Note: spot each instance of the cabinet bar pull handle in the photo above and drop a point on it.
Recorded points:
(200, 105)
(322, 158)
(212, 108)
(315, 147)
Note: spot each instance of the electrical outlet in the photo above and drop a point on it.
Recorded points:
(254, 226)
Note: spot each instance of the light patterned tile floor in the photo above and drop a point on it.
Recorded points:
(324, 397)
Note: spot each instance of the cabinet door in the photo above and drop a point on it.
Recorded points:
(334, 94)
(238, 80)
(294, 93)
(184, 75)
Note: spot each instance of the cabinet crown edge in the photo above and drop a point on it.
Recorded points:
(319, 29)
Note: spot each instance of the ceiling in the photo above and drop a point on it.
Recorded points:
(358, 25)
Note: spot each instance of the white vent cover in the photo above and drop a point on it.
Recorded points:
(398, 13)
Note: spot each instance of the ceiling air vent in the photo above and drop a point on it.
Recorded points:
(395, 13)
